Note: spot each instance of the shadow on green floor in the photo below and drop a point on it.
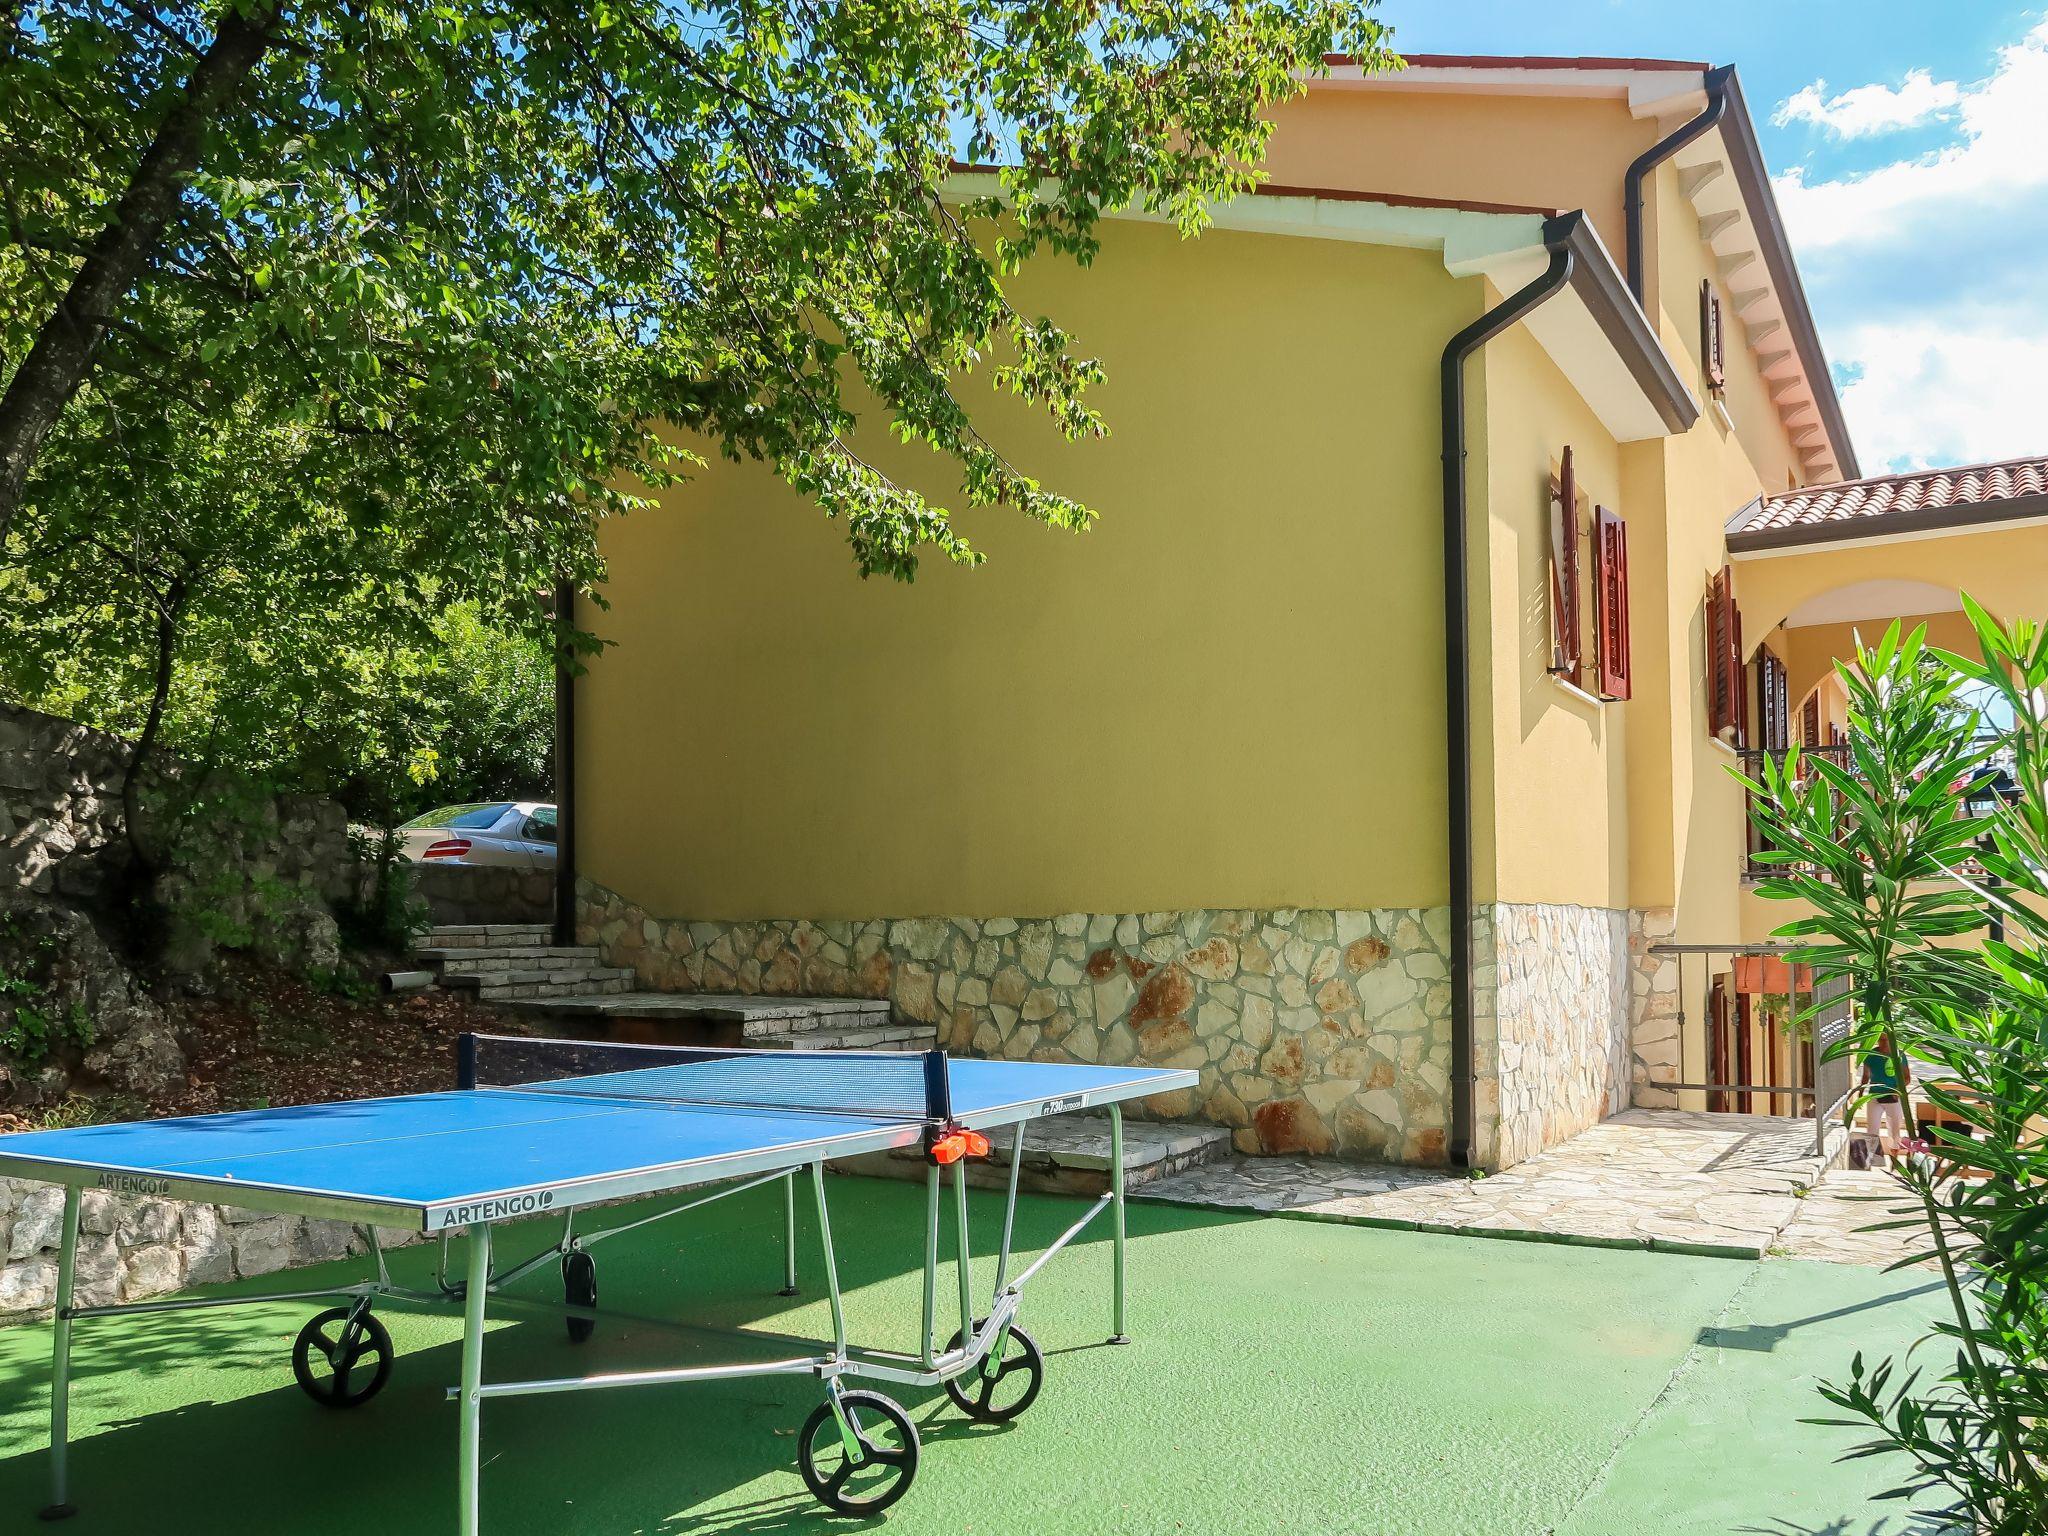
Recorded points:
(1286, 1376)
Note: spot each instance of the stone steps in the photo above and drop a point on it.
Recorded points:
(488, 936)
(1070, 1155)
(506, 962)
(476, 956)
(764, 1023)
(572, 980)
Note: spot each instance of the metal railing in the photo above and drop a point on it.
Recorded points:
(1726, 1040)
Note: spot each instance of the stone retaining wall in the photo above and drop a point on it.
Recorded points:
(462, 894)
(1313, 1031)
(131, 1248)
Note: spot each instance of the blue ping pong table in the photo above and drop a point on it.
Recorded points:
(550, 1128)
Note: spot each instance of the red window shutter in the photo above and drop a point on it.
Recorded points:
(1713, 337)
(1720, 706)
(1727, 699)
(1610, 595)
(1567, 649)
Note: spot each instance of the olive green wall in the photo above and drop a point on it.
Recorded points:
(1227, 694)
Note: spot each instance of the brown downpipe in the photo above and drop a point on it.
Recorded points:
(1557, 236)
(1639, 169)
(565, 765)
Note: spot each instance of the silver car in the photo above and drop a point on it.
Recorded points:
(520, 833)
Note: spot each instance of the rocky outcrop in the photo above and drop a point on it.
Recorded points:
(245, 868)
(74, 1017)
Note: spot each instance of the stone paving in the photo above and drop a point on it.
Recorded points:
(1828, 1224)
(1666, 1179)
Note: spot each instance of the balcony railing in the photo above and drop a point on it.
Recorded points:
(1755, 1033)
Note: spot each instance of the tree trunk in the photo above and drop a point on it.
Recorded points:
(145, 862)
(63, 351)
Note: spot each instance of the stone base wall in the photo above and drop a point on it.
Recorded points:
(1551, 1026)
(1655, 1051)
(1314, 1031)
(132, 1248)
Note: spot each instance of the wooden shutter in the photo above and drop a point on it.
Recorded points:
(1713, 337)
(1567, 649)
(1809, 721)
(1727, 704)
(1610, 597)
(1773, 703)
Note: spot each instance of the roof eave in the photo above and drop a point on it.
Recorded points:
(1599, 285)
(1973, 518)
(1746, 159)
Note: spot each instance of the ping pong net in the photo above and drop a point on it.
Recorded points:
(874, 1085)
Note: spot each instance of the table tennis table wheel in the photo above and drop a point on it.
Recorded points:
(886, 1464)
(330, 1377)
(579, 1289)
(999, 1396)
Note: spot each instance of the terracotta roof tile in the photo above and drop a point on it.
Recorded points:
(1970, 491)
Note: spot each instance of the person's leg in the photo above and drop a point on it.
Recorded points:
(1891, 1123)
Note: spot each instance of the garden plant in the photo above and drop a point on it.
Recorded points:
(1922, 857)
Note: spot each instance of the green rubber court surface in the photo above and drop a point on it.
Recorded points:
(1286, 1376)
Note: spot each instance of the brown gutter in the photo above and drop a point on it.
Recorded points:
(1557, 235)
(565, 765)
(1639, 170)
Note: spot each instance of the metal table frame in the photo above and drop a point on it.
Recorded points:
(981, 1341)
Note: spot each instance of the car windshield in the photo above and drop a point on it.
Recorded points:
(470, 817)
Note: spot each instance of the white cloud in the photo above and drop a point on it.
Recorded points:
(1932, 394)
(2002, 123)
(1871, 108)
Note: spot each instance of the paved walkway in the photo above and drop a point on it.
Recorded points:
(1740, 1186)
(1828, 1224)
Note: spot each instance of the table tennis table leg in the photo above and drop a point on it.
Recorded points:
(1116, 1189)
(965, 1266)
(831, 1264)
(931, 1263)
(789, 1233)
(60, 1505)
(473, 1299)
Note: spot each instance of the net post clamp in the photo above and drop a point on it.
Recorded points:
(948, 1144)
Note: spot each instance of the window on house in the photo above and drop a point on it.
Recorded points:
(1610, 600)
(1727, 701)
(1567, 649)
(1809, 721)
(1713, 337)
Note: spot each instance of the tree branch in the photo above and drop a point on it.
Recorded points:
(63, 351)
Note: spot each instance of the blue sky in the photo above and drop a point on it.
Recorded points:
(1910, 147)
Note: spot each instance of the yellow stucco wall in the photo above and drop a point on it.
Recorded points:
(1811, 651)
(2005, 569)
(1550, 152)
(1558, 761)
(1227, 694)
(1689, 836)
